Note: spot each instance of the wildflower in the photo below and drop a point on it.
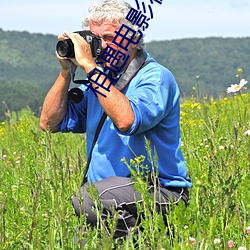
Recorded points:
(45, 216)
(221, 147)
(240, 70)
(14, 188)
(247, 133)
(192, 240)
(137, 159)
(230, 244)
(248, 230)
(242, 248)
(195, 106)
(132, 162)
(198, 182)
(22, 210)
(237, 87)
(216, 241)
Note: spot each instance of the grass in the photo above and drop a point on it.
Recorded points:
(40, 172)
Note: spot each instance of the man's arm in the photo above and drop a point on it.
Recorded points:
(55, 103)
(115, 104)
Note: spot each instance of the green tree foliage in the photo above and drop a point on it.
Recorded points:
(210, 63)
(17, 95)
(28, 57)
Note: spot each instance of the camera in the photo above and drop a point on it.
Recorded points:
(65, 48)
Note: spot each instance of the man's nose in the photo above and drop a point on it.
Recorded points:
(104, 44)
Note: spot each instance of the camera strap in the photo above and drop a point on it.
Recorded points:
(97, 132)
(136, 64)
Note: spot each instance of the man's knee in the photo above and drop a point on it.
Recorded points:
(84, 205)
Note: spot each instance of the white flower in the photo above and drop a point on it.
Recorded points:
(192, 240)
(217, 241)
(246, 133)
(242, 248)
(22, 210)
(237, 87)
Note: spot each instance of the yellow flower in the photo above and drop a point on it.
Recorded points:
(138, 160)
(132, 162)
(240, 70)
(195, 105)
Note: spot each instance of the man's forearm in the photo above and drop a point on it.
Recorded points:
(55, 103)
(116, 105)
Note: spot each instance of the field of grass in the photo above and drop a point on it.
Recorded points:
(40, 172)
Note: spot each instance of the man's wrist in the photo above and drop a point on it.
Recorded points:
(65, 73)
(96, 70)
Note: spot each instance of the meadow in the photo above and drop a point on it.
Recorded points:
(40, 172)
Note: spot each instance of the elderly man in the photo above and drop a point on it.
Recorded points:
(140, 98)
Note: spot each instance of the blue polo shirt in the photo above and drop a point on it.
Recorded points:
(154, 97)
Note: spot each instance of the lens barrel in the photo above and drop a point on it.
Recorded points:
(75, 95)
(65, 48)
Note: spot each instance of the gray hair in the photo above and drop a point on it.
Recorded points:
(112, 11)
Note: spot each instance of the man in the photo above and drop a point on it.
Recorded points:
(142, 103)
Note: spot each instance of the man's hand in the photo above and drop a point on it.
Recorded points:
(66, 63)
(83, 54)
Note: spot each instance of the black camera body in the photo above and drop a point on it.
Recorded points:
(65, 48)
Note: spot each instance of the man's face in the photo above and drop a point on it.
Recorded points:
(106, 31)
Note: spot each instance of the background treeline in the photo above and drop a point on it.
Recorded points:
(204, 67)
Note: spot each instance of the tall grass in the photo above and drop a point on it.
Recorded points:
(40, 172)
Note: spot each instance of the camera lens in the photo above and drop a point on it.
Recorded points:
(65, 48)
(75, 95)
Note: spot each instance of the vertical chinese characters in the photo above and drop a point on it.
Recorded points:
(124, 36)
